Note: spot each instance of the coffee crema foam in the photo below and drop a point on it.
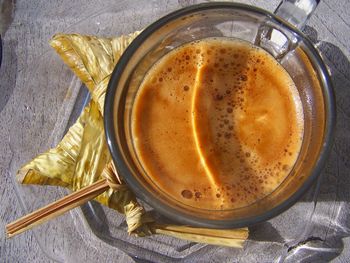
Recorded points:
(217, 124)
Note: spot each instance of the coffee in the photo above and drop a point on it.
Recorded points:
(217, 124)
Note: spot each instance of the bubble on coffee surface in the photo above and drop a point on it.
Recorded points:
(198, 194)
(187, 194)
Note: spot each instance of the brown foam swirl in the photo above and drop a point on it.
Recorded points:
(217, 124)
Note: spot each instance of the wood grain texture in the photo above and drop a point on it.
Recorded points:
(28, 116)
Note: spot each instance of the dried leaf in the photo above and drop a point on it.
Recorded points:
(218, 237)
(92, 59)
(57, 166)
(79, 159)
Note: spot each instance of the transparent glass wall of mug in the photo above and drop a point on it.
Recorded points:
(261, 29)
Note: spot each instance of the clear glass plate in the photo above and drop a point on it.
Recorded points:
(312, 230)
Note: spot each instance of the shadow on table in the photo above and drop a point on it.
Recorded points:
(8, 67)
(331, 219)
(8, 71)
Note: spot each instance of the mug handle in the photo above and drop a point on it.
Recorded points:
(274, 40)
(296, 12)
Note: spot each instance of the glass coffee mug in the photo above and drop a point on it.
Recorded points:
(276, 33)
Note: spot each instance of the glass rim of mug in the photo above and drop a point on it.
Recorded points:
(117, 156)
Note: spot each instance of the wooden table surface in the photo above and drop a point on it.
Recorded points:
(25, 28)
